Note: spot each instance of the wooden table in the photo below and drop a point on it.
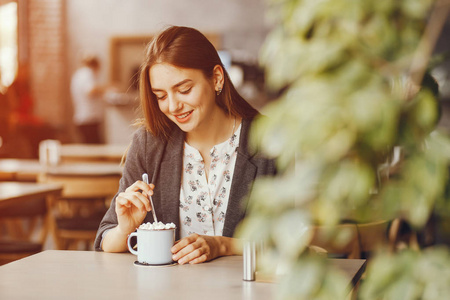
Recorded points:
(88, 188)
(91, 186)
(12, 169)
(85, 169)
(92, 152)
(18, 198)
(16, 193)
(97, 275)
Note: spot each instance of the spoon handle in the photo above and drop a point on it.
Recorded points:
(145, 179)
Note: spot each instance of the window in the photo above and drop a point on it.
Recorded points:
(8, 43)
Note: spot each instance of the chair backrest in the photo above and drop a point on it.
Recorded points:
(373, 234)
(83, 199)
(357, 238)
(6, 176)
(341, 239)
(87, 187)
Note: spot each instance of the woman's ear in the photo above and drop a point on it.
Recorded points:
(218, 77)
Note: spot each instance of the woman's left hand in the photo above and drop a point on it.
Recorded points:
(196, 248)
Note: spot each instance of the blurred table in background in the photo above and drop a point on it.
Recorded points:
(18, 193)
(24, 218)
(88, 188)
(12, 169)
(17, 169)
(92, 152)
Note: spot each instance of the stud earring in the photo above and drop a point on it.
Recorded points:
(218, 92)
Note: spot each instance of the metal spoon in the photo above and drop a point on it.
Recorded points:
(145, 179)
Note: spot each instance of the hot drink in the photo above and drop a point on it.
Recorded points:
(154, 241)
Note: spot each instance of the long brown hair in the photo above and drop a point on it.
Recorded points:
(185, 47)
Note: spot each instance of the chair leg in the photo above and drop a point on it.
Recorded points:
(394, 234)
(52, 227)
(87, 245)
(354, 292)
(413, 241)
(72, 244)
(398, 241)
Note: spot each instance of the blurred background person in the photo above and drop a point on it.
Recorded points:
(87, 96)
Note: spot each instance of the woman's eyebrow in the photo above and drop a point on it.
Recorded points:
(181, 83)
(174, 86)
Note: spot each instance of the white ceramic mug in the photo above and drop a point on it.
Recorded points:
(153, 246)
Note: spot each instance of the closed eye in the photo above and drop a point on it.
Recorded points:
(186, 91)
(160, 97)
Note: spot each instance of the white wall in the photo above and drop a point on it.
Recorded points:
(91, 23)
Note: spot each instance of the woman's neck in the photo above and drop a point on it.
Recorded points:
(219, 129)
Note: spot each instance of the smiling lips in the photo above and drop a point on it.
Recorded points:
(184, 117)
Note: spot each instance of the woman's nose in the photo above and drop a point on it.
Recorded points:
(174, 104)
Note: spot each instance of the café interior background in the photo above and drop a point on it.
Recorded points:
(54, 35)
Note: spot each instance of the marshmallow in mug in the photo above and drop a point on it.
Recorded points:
(157, 226)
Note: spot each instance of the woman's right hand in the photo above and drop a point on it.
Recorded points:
(132, 206)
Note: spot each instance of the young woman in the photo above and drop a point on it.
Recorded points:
(193, 143)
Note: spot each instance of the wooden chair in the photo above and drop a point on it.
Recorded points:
(340, 241)
(24, 229)
(77, 214)
(363, 238)
(6, 176)
(346, 245)
(401, 236)
(372, 235)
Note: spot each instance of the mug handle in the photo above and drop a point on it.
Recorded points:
(129, 245)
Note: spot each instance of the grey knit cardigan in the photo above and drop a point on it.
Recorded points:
(162, 161)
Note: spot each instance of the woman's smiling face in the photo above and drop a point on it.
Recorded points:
(185, 96)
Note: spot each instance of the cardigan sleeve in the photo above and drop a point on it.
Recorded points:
(134, 168)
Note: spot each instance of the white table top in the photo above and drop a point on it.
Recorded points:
(96, 275)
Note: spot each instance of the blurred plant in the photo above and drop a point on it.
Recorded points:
(409, 275)
(352, 75)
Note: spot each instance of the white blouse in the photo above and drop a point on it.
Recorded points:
(204, 201)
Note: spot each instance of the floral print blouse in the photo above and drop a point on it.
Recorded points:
(204, 201)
